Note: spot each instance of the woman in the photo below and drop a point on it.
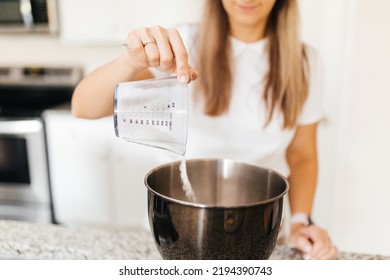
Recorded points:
(257, 99)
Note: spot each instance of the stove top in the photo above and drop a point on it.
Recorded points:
(27, 91)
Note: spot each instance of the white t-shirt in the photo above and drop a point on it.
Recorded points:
(240, 134)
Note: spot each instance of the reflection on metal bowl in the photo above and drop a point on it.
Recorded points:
(237, 213)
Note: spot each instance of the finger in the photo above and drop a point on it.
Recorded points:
(318, 252)
(152, 53)
(135, 49)
(193, 74)
(328, 253)
(150, 47)
(331, 255)
(302, 243)
(320, 240)
(167, 62)
(181, 56)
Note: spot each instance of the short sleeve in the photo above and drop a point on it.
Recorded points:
(313, 109)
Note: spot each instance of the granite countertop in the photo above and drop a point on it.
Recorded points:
(22, 240)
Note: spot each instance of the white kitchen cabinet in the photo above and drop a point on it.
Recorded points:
(130, 163)
(102, 21)
(79, 169)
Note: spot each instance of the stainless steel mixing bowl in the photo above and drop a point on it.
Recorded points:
(237, 213)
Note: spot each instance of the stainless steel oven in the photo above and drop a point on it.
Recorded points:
(25, 93)
(24, 181)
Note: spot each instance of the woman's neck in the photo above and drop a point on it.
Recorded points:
(248, 34)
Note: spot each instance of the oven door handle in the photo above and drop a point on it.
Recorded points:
(14, 127)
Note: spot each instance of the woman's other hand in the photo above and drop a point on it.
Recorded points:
(161, 48)
(312, 241)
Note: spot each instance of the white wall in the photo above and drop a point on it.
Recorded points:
(329, 27)
(353, 197)
(365, 188)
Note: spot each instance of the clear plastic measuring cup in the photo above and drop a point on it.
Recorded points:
(153, 113)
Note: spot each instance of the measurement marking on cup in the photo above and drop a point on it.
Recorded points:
(161, 120)
(168, 124)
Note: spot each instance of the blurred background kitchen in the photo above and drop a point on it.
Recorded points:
(56, 168)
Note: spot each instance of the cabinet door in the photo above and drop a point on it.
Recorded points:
(79, 167)
(130, 164)
(102, 21)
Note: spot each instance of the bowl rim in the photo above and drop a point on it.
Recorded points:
(212, 206)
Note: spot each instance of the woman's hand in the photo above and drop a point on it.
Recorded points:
(161, 48)
(313, 242)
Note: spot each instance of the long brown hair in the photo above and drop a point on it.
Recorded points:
(286, 85)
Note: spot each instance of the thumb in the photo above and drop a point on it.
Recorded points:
(186, 75)
(193, 74)
(302, 243)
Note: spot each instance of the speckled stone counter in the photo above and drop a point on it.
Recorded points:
(20, 240)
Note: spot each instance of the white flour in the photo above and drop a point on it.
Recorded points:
(185, 181)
